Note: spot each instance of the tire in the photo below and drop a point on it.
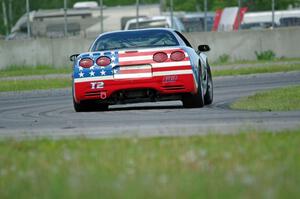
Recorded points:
(194, 101)
(88, 106)
(78, 107)
(209, 95)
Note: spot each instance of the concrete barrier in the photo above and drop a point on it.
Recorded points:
(284, 42)
(54, 52)
(241, 45)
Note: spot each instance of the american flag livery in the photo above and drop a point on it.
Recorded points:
(131, 64)
(156, 64)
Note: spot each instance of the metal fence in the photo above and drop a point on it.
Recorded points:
(170, 7)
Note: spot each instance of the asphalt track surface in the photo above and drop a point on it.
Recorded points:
(50, 113)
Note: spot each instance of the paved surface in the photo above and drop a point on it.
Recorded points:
(50, 113)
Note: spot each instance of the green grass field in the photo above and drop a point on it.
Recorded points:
(281, 99)
(255, 70)
(241, 62)
(33, 70)
(245, 165)
(34, 84)
(22, 85)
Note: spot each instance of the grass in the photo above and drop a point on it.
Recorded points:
(282, 99)
(254, 70)
(245, 165)
(33, 70)
(22, 85)
(241, 62)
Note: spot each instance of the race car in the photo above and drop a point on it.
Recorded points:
(140, 66)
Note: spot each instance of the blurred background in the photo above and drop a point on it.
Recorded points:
(21, 19)
(35, 32)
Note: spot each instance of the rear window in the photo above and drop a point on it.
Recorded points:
(135, 39)
(290, 21)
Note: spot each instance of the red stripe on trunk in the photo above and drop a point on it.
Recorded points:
(140, 53)
(147, 61)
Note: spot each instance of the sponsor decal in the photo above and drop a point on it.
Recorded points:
(170, 78)
(97, 85)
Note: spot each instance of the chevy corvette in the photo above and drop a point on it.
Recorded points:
(140, 66)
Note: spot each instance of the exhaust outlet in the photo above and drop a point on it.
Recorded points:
(103, 95)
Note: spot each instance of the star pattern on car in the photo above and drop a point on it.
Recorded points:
(99, 71)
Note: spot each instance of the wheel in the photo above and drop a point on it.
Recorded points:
(209, 95)
(87, 106)
(78, 106)
(194, 101)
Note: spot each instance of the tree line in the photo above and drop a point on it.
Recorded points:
(12, 10)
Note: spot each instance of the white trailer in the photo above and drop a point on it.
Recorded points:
(264, 19)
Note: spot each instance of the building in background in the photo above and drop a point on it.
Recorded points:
(82, 20)
(228, 19)
(195, 22)
(261, 20)
(114, 16)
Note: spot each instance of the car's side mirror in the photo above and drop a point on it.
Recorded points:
(203, 48)
(73, 57)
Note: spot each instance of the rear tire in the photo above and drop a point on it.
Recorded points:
(209, 95)
(194, 101)
(78, 106)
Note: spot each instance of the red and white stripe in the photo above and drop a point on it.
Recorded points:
(134, 72)
(140, 64)
(129, 59)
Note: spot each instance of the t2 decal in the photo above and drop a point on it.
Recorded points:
(97, 85)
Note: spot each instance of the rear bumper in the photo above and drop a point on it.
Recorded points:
(105, 89)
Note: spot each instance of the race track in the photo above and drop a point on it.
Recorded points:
(51, 114)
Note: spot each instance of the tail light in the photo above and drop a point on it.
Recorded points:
(177, 56)
(160, 57)
(103, 61)
(86, 63)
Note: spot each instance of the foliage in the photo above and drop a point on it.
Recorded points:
(260, 5)
(282, 99)
(265, 55)
(223, 59)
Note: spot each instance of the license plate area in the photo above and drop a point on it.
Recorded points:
(138, 71)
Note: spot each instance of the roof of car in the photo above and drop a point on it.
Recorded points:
(135, 30)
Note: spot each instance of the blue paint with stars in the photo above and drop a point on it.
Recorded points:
(95, 70)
